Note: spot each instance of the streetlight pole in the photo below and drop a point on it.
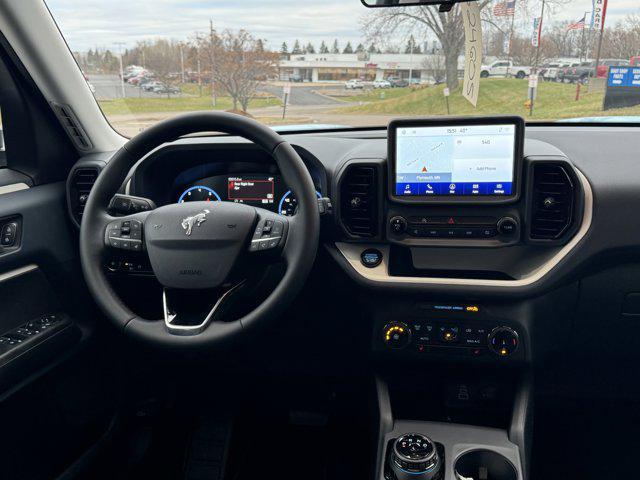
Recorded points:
(120, 44)
(411, 60)
(583, 48)
(182, 62)
(535, 68)
(513, 23)
(213, 61)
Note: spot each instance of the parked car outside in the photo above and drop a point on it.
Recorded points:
(149, 86)
(382, 84)
(562, 71)
(164, 88)
(354, 84)
(603, 66)
(397, 82)
(587, 70)
(503, 68)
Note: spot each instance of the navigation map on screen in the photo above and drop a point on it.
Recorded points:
(470, 160)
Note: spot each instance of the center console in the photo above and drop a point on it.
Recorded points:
(459, 229)
(440, 450)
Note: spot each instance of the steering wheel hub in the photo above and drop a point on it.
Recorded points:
(196, 244)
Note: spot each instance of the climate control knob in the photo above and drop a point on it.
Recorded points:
(503, 341)
(398, 225)
(397, 335)
(414, 457)
(507, 226)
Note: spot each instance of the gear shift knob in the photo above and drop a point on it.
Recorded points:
(415, 457)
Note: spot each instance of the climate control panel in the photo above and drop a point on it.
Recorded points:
(453, 227)
(443, 337)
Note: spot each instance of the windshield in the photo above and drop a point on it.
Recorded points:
(335, 63)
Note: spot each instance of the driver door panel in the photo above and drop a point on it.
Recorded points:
(56, 395)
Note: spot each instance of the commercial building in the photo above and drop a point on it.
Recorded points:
(368, 67)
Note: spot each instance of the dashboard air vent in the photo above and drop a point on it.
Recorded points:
(552, 202)
(81, 183)
(72, 127)
(359, 200)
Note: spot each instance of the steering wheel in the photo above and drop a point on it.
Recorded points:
(195, 248)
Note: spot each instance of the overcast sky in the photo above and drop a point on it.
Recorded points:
(90, 23)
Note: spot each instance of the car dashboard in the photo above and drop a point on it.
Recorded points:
(459, 270)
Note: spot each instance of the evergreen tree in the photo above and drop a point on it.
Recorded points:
(348, 48)
(324, 48)
(336, 47)
(284, 49)
(416, 47)
(296, 48)
(360, 48)
(372, 49)
(310, 48)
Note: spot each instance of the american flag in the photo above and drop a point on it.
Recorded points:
(505, 9)
(579, 25)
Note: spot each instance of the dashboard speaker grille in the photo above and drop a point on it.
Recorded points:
(81, 183)
(359, 200)
(553, 201)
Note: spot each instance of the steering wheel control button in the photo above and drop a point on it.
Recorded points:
(415, 456)
(398, 225)
(397, 335)
(267, 235)
(277, 229)
(125, 235)
(126, 204)
(503, 341)
(507, 226)
(371, 257)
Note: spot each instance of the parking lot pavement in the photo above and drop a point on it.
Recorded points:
(301, 96)
(109, 87)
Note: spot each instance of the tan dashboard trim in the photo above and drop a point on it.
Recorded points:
(14, 187)
(380, 274)
(17, 272)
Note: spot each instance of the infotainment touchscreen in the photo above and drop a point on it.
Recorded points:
(456, 160)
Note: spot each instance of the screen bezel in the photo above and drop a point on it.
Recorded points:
(518, 122)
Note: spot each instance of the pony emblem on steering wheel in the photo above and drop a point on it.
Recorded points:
(196, 220)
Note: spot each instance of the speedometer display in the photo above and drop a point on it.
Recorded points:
(199, 193)
(289, 204)
(261, 190)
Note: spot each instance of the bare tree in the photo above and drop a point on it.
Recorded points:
(435, 66)
(559, 40)
(447, 27)
(240, 66)
(623, 41)
(163, 59)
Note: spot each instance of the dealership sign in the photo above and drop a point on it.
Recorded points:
(537, 31)
(623, 87)
(598, 15)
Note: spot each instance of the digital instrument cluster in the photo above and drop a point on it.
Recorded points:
(260, 190)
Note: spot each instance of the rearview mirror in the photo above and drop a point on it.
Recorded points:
(445, 5)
